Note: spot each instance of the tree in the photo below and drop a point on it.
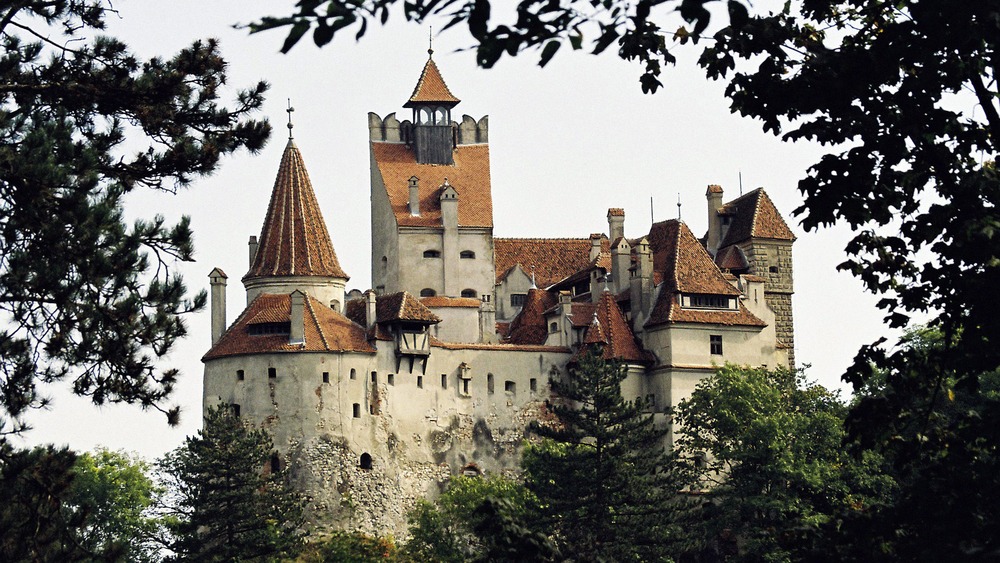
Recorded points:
(477, 519)
(767, 447)
(228, 506)
(352, 547)
(607, 489)
(83, 294)
(114, 494)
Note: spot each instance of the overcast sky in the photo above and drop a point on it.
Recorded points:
(566, 142)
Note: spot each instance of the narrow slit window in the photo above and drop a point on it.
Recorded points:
(420, 382)
(326, 377)
(533, 384)
(357, 410)
(489, 383)
(354, 373)
(392, 379)
(272, 373)
(374, 378)
(444, 380)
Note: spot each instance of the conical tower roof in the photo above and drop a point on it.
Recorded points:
(431, 88)
(294, 240)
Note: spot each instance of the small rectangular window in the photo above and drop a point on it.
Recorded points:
(326, 377)
(272, 373)
(533, 383)
(240, 376)
(357, 410)
(510, 387)
(444, 380)
(392, 379)
(420, 382)
(236, 410)
(371, 410)
(489, 383)
(374, 378)
(517, 299)
(465, 386)
(715, 342)
(354, 373)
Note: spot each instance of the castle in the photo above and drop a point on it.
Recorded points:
(374, 399)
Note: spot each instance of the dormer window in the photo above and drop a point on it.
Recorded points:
(432, 254)
(708, 301)
(264, 329)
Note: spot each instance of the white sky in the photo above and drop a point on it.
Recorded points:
(567, 142)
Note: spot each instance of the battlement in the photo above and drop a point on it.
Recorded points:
(392, 130)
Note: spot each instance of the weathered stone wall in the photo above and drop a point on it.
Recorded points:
(772, 260)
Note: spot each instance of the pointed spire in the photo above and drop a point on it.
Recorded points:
(294, 240)
(431, 88)
(290, 110)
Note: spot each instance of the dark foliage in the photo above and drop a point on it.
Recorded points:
(83, 122)
(228, 507)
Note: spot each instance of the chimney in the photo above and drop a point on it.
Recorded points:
(253, 249)
(595, 245)
(642, 283)
(621, 260)
(714, 197)
(370, 308)
(449, 205)
(297, 334)
(217, 279)
(414, 196)
(616, 223)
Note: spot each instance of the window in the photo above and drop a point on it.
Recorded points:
(444, 380)
(773, 269)
(392, 379)
(357, 410)
(715, 342)
(240, 376)
(440, 116)
(710, 301)
(554, 327)
(385, 264)
(326, 377)
(275, 463)
(432, 254)
(467, 254)
(366, 461)
(510, 387)
(468, 293)
(517, 299)
(272, 373)
(533, 383)
(374, 378)
(489, 383)
(420, 382)
(354, 373)
(425, 116)
(264, 329)
(427, 292)
(236, 409)
(465, 386)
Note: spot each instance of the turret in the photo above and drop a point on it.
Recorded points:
(431, 102)
(714, 196)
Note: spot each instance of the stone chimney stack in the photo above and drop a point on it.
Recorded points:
(217, 279)
(297, 334)
(616, 223)
(714, 197)
(253, 249)
(595, 245)
(414, 196)
(642, 283)
(621, 260)
(370, 308)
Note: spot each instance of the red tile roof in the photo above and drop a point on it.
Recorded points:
(469, 175)
(613, 331)
(687, 268)
(551, 259)
(731, 258)
(754, 215)
(431, 88)
(529, 327)
(294, 240)
(440, 301)
(325, 330)
(402, 307)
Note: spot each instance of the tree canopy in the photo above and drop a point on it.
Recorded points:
(83, 294)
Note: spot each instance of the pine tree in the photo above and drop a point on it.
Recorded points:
(229, 507)
(608, 490)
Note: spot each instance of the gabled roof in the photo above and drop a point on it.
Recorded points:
(754, 215)
(551, 259)
(612, 330)
(470, 176)
(402, 307)
(294, 240)
(325, 330)
(529, 327)
(732, 258)
(686, 267)
(431, 88)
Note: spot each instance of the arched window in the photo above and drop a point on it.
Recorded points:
(554, 327)
(385, 264)
(432, 254)
(425, 116)
(467, 254)
(468, 293)
(440, 116)
(427, 292)
(366, 461)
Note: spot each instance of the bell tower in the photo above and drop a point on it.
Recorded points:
(431, 102)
